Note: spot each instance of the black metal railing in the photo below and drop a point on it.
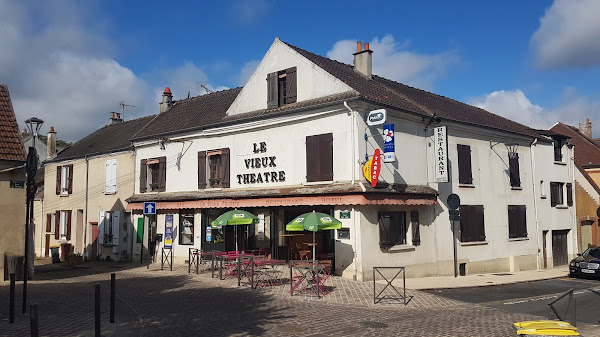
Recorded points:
(395, 295)
(569, 308)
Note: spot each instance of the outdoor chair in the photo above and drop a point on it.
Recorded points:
(305, 255)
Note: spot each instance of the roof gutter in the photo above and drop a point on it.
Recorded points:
(12, 168)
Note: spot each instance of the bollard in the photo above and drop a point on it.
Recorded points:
(112, 297)
(162, 258)
(34, 320)
(12, 299)
(97, 310)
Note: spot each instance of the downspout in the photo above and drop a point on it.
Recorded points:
(87, 173)
(352, 113)
(352, 165)
(573, 196)
(535, 194)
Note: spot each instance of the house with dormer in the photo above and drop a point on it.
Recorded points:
(307, 133)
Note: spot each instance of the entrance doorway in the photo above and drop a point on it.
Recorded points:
(586, 234)
(79, 233)
(559, 247)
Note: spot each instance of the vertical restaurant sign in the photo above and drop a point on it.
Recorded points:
(372, 168)
(389, 154)
(168, 231)
(441, 154)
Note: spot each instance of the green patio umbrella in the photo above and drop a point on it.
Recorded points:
(234, 218)
(313, 221)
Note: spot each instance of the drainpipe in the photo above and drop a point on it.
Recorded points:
(87, 173)
(352, 113)
(535, 196)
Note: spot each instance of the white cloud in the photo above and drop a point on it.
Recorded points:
(247, 71)
(59, 70)
(515, 106)
(568, 35)
(394, 61)
(247, 12)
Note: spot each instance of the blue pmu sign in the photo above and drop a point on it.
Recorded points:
(149, 208)
(389, 152)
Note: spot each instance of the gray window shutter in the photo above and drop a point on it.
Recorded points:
(58, 179)
(464, 164)
(272, 91)
(162, 174)
(385, 231)
(312, 158)
(225, 159)
(143, 176)
(291, 85)
(326, 157)
(515, 175)
(202, 170)
(569, 194)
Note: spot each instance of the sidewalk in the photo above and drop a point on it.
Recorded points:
(481, 280)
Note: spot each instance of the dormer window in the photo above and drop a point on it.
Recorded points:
(558, 144)
(281, 88)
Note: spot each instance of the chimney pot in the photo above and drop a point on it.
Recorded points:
(167, 100)
(586, 128)
(363, 61)
(367, 46)
(358, 47)
(51, 129)
(51, 143)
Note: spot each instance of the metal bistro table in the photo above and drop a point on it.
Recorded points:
(267, 272)
(306, 276)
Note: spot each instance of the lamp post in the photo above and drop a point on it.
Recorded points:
(33, 125)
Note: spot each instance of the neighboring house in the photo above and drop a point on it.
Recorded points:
(12, 185)
(297, 137)
(587, 181)
(85, 187)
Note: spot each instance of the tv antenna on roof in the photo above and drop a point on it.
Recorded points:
(123, 105)
(205, 88)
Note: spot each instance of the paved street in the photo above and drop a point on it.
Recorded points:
(153, 302)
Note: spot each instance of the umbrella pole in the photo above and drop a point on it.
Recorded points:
(313, 247)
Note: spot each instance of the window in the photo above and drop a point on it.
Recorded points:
(319, 157)
(111, 177)
(63, 221)
(558, 144)
(153, 174)
(186, 227)
(108, 228)
(392, 229)
(213, 169)
(472, 227)
(556, 194)
(414, 224)
(515, 175)
(51, 222)
(64, 180)
(281, 88)
(542, 190)
(464, 164)
(517, 221)
(569, 194)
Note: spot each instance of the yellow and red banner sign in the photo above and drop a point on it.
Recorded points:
(372, 168)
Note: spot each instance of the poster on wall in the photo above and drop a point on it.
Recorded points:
(261, 226)
(441, 154)
(389, 151)
(208, 234)
(168, 231)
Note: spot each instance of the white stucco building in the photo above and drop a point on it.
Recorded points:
(295, 138)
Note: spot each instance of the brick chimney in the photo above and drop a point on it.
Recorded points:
(115, 117)
(586, 128)
(167, 100)
(363, 60)
(51, 143)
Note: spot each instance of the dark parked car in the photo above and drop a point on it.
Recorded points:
(587, 263)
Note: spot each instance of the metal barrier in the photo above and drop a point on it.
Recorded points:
(377, 297)
(193, 259)
(168, 258)
(571, 297)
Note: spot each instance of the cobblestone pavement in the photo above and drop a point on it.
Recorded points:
(155, 303)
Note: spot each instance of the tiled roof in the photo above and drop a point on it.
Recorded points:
(587, 151)
(11, 147)
(111, 138)
(407, 98)
(191, 113)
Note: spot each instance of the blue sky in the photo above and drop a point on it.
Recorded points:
(72, 62)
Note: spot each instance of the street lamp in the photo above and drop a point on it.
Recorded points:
(33, 125)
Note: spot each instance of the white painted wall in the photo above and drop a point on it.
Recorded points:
(312, 81)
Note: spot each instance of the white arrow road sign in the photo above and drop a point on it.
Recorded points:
(149, 208)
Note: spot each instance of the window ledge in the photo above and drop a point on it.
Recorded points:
(561, 207)
(516, 188)
(560, 163)
(466, 185)
(518, 239)
(110, 193)
(213, 189)
(318, 183)
(474, 243)
(64, 195)
(400, 248)
(543, 196)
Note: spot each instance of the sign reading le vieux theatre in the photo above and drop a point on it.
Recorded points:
(263, 162)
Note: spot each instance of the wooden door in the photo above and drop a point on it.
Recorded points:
(559, 247)
(544, 249)
(94, 241)
(47, 250)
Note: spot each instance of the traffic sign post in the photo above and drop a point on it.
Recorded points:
(453, 203)
(149, 208)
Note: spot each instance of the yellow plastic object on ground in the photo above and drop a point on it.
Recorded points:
(546, 328)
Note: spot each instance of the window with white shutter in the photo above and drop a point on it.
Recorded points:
(116, 221)
(111, 177)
